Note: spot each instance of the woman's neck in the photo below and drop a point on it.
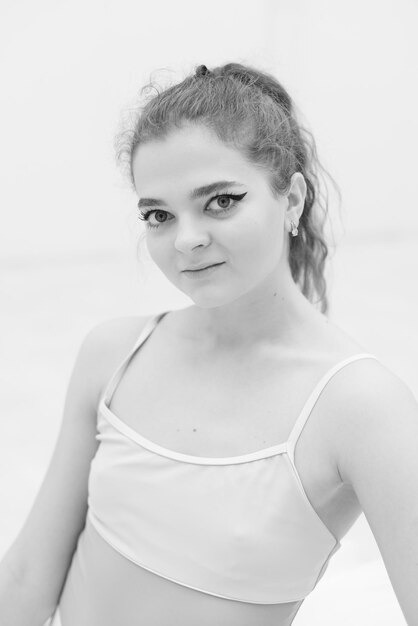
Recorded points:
(271, 315)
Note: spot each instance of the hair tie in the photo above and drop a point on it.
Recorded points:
(202, 70)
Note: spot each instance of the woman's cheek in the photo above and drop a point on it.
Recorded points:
(157, 250)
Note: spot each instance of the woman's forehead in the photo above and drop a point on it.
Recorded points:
(190, 154)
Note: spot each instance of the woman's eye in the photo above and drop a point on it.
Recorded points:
(225, 202)
(154, 218)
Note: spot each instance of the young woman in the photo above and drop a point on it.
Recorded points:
(211, 459)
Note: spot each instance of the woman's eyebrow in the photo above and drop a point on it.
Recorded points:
(200, 192)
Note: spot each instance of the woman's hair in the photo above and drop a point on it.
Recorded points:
(252, 112)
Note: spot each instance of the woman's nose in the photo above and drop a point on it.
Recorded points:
(190, 234)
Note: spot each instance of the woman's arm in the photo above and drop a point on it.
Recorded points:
(377, 454)
(34, 568)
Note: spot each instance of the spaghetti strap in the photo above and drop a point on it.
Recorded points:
(110, 388)
(313, 397)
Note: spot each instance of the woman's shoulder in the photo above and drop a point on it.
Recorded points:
(111, 340)
(365, 381)
(368, 408)
(361, 386)
(363, 395)
(118, 333)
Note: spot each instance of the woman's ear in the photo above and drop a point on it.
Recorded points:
(296, 197)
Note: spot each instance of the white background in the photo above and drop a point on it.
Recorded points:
(69, 231)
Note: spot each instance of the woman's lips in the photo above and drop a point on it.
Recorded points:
(202, 272)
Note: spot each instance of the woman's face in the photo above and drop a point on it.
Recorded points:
(192, 223)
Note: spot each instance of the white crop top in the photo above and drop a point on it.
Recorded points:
(237, 527)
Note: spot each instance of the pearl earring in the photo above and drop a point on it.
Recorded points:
(293, 228)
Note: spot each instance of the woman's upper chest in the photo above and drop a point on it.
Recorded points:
(221, 404)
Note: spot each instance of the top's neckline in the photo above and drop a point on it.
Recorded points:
(125, 429)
